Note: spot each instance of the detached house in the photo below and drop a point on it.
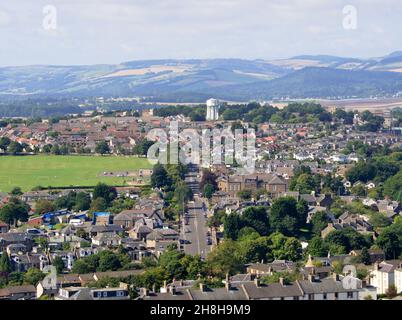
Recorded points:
(354, 221)
(383, 275)
(127, 218)
(4, 227)
(18, 293)
(272, 183)
(15, 238)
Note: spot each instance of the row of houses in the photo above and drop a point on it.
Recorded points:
(309, 289)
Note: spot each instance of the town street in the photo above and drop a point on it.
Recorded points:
(196, 230)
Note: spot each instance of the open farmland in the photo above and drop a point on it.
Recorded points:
(64, 171)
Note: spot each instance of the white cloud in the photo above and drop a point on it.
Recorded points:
(106, 31)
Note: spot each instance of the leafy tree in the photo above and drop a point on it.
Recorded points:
(15, 210)
(284, 248)
(121, 204)
(254, 250)
(288, 277)
(159, 177)
(225, 259)
(108, 261)
(141, 148)
(82, 201)
(287, 215)
(391, 292)
(47, 148)
(170, 261)
(379, 220)
(102, 148)
(42, 242)
(16, 191)
(361, 172)
(148, 262)
(98, 205)
(347, 117)
(333, 184)
(305, 183)
(208, 191)
(66, 202)
(317, 247)
(372, 122)
(176, 172)
(33, 276)
(319, 222)
(198, 115)
(365, 257)
(5, 263)
(44, 206)
(247, 233)
(151, 277)
(14, 148)
(58, 264)
(193, 266)
(358, 190)
(393, 187)
(104, 191)
(55, 150)
(217, 219)
(4, 143)
(15, 278)
(208, 178)
(346, 240)
(256, 218)
(64, 149)
(81, 267)
(82, 233)
(245, 194)
(182, 193)
(390, 241)
(232, 225)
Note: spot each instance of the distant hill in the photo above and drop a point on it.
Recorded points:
(320, 76)
(315, 82)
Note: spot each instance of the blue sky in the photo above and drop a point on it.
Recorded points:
(106, 31)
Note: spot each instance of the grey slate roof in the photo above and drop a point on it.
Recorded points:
(323, 286)
(235, 293)
(274, 290)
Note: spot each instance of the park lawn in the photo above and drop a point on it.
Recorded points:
(64, 171)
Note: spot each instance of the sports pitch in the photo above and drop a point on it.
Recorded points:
(64, 171)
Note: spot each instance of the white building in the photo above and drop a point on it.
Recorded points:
(383, 275)
(213, 106)
(398, 280)
(303, 156)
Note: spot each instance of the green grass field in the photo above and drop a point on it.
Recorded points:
(63, 171)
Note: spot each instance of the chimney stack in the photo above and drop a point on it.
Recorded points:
(335, 276)
(172, 289)
(311, 278)
(202, 287)
(228, 285)
(282, 281)
(144, 292)
(164, 288)
(257, 282)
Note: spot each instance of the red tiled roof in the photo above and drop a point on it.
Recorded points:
(3, 224)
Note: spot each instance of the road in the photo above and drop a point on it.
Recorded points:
(197, 230)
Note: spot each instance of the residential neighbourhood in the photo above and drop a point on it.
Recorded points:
(201, 159)
(319, 218)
